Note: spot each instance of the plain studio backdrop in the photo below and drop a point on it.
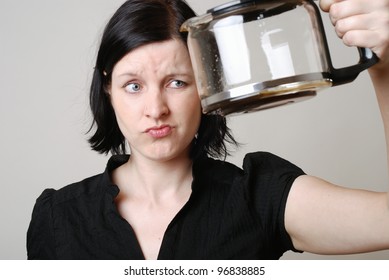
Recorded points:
(47, 54)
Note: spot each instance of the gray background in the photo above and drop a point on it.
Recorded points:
(47, 53)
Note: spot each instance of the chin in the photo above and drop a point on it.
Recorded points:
(166, 155)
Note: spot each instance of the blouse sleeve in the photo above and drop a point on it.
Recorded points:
(40, 234)
(268, 180)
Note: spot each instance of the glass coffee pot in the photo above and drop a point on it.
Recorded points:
(252, 55)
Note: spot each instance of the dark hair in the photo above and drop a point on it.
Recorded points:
(134, 24)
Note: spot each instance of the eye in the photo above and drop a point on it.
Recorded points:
(177, 84)
(132, 87)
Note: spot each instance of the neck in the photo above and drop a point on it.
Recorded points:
(156, 180)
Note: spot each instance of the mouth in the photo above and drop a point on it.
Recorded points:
(159, 131)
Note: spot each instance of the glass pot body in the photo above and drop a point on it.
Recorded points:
(253, 55)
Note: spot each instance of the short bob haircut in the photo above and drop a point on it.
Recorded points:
(134, 24)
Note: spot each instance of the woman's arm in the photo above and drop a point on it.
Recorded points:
(324, 218)
(365, 23)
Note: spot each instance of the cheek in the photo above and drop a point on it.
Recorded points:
(124, 114)
(193, 111)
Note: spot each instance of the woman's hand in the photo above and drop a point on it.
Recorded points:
(362, 23)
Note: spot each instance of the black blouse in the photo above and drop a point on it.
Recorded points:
(231, 214)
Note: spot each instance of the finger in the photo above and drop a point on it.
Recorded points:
(360, 38)
(348, 8)
(326, 4)
(376, 22)
(365, 39)
(358, 22)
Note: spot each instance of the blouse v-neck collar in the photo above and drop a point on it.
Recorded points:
(166, 250)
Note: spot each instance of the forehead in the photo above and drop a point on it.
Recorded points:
(169, 55)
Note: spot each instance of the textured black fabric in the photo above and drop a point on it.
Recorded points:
(232, 213)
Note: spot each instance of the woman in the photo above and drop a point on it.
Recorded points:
(169, 199)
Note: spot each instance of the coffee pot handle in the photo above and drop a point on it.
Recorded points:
(339, 76)
(348, 74)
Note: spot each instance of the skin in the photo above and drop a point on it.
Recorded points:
(155, 100)
(147, 92)
(158, 110)
(324, 218)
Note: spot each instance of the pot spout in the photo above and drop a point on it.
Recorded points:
(196, 23)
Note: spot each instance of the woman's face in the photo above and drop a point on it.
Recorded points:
(154, 96)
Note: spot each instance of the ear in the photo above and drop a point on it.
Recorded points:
(108, 90)
(107, 87)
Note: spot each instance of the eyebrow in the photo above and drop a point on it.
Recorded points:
(172, 74)
(127, 74)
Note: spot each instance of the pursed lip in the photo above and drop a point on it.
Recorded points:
(159, 131)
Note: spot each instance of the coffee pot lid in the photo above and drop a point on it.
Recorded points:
(232, 5)
(239, 4)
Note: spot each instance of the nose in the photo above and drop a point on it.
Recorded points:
(155, 104)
